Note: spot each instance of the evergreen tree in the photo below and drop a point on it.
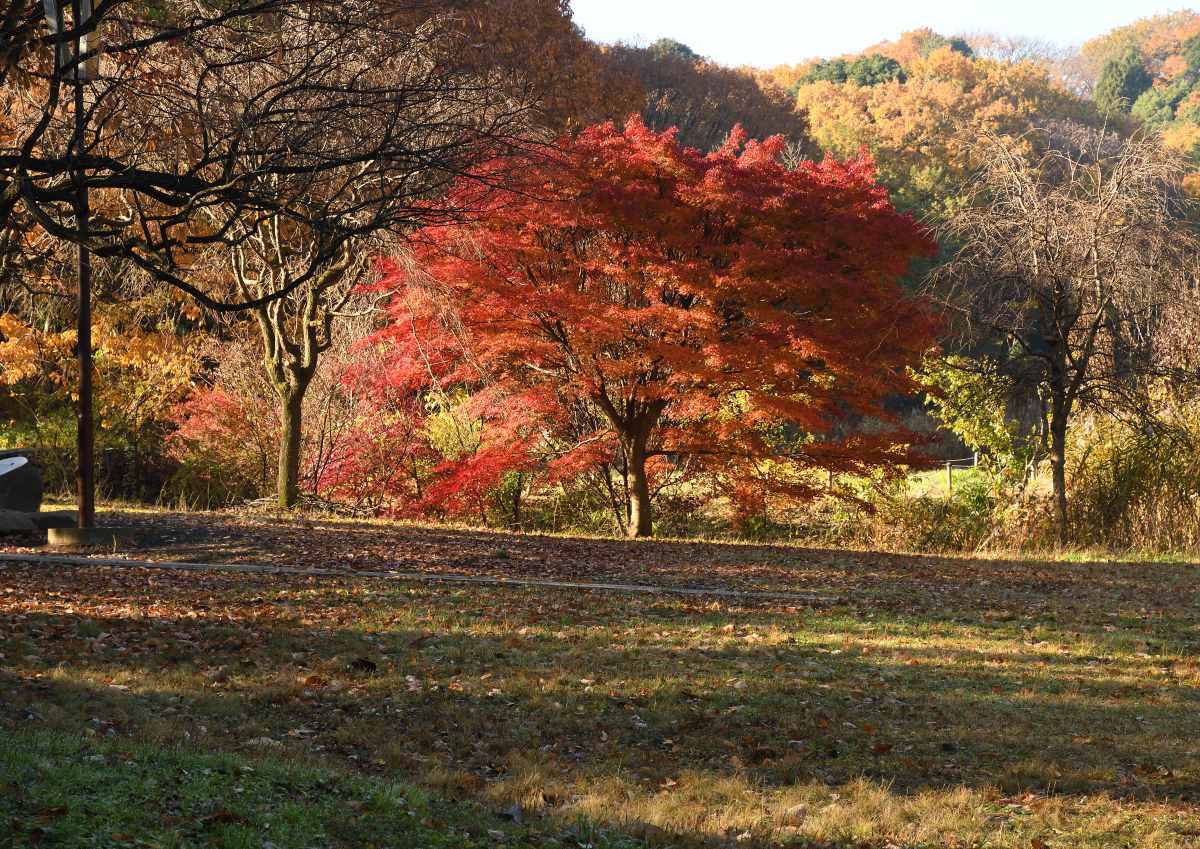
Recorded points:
(1122, 82)
(875, 69)
(1191, 52)
(674, 49)
(1157, 104)
(935, 41)
(828, 70)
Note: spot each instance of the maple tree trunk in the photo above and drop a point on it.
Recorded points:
(641, 513)
(1058, 464)
(290, 420)
(516, 502)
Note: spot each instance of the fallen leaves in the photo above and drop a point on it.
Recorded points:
(475, 681)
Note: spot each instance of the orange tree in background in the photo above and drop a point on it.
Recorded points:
(640, 303)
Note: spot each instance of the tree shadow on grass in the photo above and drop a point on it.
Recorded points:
(585, 709)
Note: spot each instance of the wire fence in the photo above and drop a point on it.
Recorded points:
(965, 463)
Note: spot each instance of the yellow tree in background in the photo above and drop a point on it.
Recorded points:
(923, 131)
(142, 374)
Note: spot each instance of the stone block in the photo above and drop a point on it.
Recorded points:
(20, 485)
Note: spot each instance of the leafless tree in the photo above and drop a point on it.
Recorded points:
(342, 118)
(1073, 260)
(1065, 64)
(1015, 49)
(272, 143)
(296, 329)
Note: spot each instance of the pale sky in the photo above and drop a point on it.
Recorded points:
(775, 32)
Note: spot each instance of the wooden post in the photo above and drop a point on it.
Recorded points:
(949, 478)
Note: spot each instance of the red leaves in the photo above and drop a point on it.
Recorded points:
(713, 301)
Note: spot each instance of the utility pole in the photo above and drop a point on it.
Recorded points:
(81, 70)
(86, 477)
(84, 65)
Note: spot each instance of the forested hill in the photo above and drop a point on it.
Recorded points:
(918, 102)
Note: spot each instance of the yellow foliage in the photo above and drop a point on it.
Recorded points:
(139, 375)
(922, 132)
(785, 77)
(1182, 136)
(27, 354)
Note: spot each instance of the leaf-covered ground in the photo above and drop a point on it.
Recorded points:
(935, 702)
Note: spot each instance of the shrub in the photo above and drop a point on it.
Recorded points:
(1137, 486)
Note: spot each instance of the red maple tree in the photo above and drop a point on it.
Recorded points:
(666, 307)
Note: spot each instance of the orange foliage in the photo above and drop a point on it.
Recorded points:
(1159, 39)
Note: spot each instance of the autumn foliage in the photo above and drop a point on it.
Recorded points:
(649, 311)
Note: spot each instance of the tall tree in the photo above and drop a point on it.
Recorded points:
(284, 134)
(719, 309)
(1070, 260)
(705, 100)
(1122, 82)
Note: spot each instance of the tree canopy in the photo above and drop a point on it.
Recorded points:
(922, 129)
(1122, 81)
(646, 308)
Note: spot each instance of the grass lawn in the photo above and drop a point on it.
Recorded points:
(933, 483)
(63, 790)
(930, 702)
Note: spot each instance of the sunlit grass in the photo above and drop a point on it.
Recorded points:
(60, 790)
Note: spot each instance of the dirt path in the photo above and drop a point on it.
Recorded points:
(410, 577)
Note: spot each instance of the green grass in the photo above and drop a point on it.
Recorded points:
(935, 702)
(62, 790)
(934, 485)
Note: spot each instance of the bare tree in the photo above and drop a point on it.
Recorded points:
(1014, 49)
(212, 115)
(286, 135)
(296, 329)
(1072, 259)
(1064, 63)
(451, 116)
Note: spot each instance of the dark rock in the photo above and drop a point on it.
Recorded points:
(55, 519)
(364, 666)
(16, 522)
(20, 485)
